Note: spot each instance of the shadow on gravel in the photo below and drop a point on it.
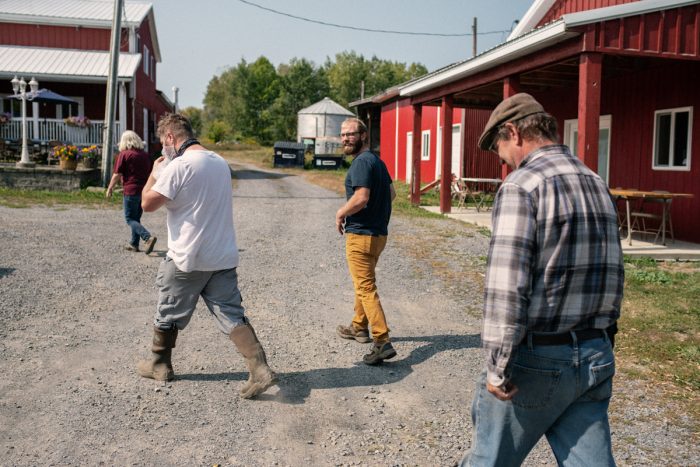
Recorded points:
(248, 174)
(6, 271)
(295, 387)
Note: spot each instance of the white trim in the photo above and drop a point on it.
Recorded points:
(396, 142)
(673, 112)
(539, 39)
(438, 145)
(459, 153)
(146, 138)
(409, 156)
(532, 16)
(423, 146)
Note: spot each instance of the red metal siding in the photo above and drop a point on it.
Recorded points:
(563, 7)
(672, 32)
(387, 130)
(478, 163)
(64, 37)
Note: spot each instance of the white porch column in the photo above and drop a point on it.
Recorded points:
(35, 120)
(122, 109)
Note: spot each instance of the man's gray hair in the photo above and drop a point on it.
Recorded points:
(537, 127)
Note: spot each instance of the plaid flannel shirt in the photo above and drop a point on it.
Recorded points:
(555, 259)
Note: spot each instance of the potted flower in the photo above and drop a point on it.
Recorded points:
(80, 121)
(88, 155)
(67, 156)
(5, 118)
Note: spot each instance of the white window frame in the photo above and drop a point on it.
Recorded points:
(673, 112)
(571, 128)
(425, 145)
(409, 156)
(146, 60)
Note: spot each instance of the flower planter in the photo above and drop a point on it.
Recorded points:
(90, 163)
(68, 164)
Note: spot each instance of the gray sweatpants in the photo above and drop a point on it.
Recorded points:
(178, 292)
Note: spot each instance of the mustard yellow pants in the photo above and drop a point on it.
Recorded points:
(362, 252)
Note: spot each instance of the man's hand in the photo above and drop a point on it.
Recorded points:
(108, 193)
(503, 393)
(340, 222)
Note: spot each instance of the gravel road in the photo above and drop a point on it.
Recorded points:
(76, 312)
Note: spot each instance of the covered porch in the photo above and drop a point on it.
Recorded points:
(619, 80)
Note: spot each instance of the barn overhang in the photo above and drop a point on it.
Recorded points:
(578, 50)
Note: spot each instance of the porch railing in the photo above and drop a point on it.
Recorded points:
(55, 129)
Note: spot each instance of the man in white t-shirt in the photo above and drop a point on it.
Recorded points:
(194, 185)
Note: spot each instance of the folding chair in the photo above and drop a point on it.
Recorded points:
(650, 223)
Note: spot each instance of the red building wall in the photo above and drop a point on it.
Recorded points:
(562, 7)
(64, 37)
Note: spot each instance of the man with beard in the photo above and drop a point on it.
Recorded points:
(195, 188)
(364, 219)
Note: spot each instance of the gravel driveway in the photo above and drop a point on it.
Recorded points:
(76, 311)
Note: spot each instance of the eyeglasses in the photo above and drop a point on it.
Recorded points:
(350, 134)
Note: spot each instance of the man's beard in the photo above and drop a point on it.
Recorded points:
(351, 149)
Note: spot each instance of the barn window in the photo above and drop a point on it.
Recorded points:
(425, 146)
(146, 60)
(672, 138)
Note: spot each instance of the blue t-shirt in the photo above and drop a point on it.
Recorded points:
(369, 171)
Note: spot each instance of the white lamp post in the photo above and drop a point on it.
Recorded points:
(19, 87)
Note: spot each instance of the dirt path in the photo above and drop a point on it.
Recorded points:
(75, 317)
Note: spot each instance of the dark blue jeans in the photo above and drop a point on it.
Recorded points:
(132, 214)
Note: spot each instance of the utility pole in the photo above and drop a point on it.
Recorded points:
(474, 38)
(108, 130)
(362, 89)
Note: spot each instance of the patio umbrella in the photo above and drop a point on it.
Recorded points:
(46, 95)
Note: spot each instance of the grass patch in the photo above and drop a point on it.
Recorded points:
(660, 326)
(14, 198)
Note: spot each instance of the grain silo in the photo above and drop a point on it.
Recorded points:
(319, 124)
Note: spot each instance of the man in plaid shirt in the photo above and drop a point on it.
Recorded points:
(552, 297)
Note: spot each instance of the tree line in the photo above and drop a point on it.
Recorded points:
(258, 102)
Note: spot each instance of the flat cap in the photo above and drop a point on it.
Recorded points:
(514, 108)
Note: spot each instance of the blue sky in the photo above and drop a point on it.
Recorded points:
(200, 39)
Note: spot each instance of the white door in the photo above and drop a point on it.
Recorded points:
(456, 149)
(409, 158)
(438, 153)
(571, 140)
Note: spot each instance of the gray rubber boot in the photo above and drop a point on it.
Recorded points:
(261, 376)
(160, 366)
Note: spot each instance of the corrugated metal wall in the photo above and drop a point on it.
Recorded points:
(63, 37)
(563, 7)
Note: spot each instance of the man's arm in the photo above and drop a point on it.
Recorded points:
(507, 286)
(393, 192)
(151, 200)
(356, 203)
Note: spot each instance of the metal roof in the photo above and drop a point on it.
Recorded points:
(326, 106)
(71, 12)
(537, 39)
(63, 64)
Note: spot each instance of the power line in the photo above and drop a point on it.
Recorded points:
(354, 28)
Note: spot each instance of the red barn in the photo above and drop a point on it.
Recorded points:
(64, 45)
(620, 76)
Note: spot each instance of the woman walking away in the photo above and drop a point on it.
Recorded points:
(132, 168)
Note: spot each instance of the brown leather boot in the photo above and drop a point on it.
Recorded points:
(261, 376)
(159, 367)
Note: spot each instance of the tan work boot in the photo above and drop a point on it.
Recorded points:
(261, 376)
(159, 367)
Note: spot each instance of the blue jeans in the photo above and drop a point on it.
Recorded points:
(132, 214)
(563, 393)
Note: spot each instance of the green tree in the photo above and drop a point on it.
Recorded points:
(194, 114)
(349, 70)
(301, 84)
